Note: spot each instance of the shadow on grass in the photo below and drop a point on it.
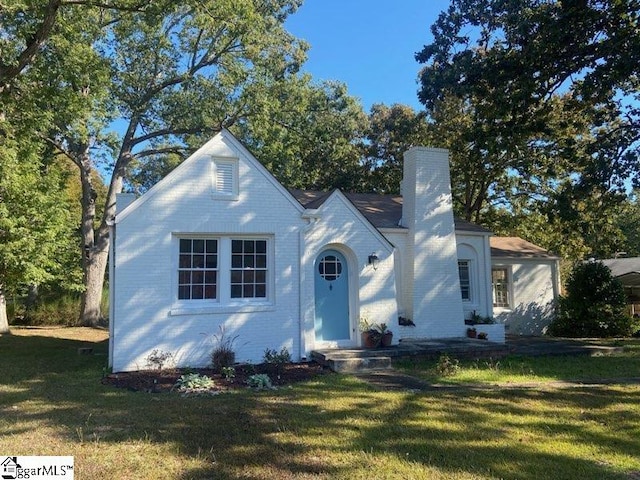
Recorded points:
(336, 426)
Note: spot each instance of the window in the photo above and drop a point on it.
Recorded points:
(500, 285)
(248, 268)
(198, 269)
(330, 268)
(464, 271)
(224, 269)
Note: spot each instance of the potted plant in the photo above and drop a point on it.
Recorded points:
(370, 335)
(472, 332)
(386, 335)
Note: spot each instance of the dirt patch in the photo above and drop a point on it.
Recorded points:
(159, 381)
(85, 334)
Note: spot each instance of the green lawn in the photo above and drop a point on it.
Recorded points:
(52, 402)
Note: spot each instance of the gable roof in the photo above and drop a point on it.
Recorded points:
(622, 266)
(383, 211)
(222, 137)
(516, 247)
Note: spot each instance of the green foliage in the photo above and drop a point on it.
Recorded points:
(392, 131)
(541, 124)
(60, 309)
(447, 366)
(228, 372)
(594, 304)
(277, 358)
(260, 381)
(194, 381)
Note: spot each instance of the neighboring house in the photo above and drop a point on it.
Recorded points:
(627, 270)
(220, 243)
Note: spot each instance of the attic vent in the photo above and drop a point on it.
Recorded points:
(225, 177)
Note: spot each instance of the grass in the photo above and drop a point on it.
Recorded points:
(515, 370)
(52, 403)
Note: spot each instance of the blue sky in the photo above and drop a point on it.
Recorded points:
(367, 44)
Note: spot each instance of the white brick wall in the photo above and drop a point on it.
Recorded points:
(533, 289)
(146, 264)
(431, 246)
(474, 247)
(339, 225)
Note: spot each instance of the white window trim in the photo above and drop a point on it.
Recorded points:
(510, 299)
(217, 162)
(472, 283)
(223, 303)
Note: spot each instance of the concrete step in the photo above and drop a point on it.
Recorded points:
(351, 364)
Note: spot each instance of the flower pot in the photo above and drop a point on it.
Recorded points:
(472, 333)
(370, 339)
(387, 338)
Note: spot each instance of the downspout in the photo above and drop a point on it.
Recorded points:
(112, 287)
(311, 216)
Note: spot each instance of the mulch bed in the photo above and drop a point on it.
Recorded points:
(159, 381)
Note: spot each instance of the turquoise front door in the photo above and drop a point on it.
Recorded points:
(332, 297)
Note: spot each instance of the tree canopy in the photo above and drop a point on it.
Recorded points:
(538, 103)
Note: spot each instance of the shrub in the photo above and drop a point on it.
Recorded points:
(594, 305)
(194, 381)
(158, 358)
(275, 361)
(260, 381)
(271, 356)
(223, 354)
(447, 366)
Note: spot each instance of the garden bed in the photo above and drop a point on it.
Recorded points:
(159, 381)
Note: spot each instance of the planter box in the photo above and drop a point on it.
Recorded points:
(494, 331)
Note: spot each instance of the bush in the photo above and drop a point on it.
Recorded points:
(595, 305)
(194, 381)
(447, 366)
(223, 354)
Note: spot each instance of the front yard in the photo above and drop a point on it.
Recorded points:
(52, 403)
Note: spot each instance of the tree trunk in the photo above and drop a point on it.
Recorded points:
(94, 255)
(4, 321)
(94, 270)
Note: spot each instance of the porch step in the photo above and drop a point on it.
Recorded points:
(360, 360)
(349, 363)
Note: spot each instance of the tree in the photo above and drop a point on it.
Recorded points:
(392, 131)
(306, 133)
(170, 73)
(594, 304)
(35, 225)
(532, 98)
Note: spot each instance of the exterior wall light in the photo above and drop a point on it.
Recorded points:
(373, 261)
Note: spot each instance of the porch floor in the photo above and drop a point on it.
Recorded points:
(361, 359)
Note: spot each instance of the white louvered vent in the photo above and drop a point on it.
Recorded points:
(225, 178)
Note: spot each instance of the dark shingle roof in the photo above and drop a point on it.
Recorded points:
(622, 266)
(383, 211)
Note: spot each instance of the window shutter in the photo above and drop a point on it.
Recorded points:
(224, 178)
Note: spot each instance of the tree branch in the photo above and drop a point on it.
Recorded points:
(9, 72)
(158, 151)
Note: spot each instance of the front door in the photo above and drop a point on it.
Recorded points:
(332, 298)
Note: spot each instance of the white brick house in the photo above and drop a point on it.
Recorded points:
(220, 243)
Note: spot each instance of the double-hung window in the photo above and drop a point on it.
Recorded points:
(223, 269)
(248, 268)
(198, 269)
(464, 272)
(500, 287)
